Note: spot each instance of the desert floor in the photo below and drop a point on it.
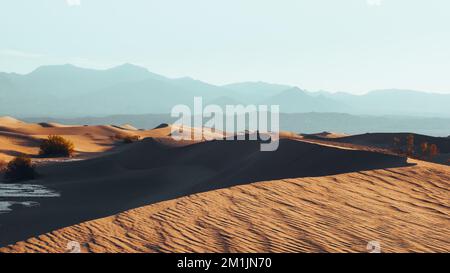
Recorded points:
(225, 196)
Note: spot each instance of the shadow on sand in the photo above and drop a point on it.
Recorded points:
(148, 171)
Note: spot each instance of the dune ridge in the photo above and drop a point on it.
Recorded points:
(159, 195)
(406, 209)
(154, 170)
(21, 138)
(384, 142)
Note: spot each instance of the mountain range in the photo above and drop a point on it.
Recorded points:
(67, 91)
(296, 122)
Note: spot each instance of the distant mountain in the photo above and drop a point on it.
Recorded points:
(407, 102)
(295, 100)
(396, 102)
(223, 102)
(70, 91)
(300, 122)
(68, 80)
(254, 92)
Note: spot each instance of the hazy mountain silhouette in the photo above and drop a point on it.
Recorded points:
(70, 91)
(254, 92)
(397, 101)
(298, 122)
(295, 100)
(69, 80)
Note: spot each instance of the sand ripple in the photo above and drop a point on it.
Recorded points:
(406, 209)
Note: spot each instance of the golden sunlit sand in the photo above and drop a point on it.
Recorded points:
(406, 209)
(21, 138)
(223, 196)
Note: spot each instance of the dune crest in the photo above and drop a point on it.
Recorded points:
(339, 213)
(18, 137)
(157, 169)
(160, 195)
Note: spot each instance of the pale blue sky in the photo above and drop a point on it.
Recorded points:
(335, 45)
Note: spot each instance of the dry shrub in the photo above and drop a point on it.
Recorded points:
(126, 138)
(3, 165)
(19, 169)
(57, 146)
(410, 145)
(433, 151)
(130, 139)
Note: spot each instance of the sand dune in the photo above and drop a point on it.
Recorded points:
(159, 195)
(386, 141)
(17, 137)
(152, 170)
(406, 209)
(127, 127)
(325, 135)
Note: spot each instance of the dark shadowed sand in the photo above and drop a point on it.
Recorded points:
(150, 171)
(211, 196)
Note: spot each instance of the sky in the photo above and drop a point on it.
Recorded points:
(346, 45)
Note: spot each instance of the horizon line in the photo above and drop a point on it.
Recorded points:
(224, 85)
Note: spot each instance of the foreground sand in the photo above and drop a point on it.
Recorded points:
(308, 196)
(406, 209)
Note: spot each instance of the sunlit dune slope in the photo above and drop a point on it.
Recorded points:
(154, 170)
(17, 137)
(405, 209)
(325, 135)
(214, 196)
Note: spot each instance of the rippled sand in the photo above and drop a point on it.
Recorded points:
(406, 209)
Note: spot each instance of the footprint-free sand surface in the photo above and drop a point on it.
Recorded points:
(157, 195)
(21, 138)
(405, 209)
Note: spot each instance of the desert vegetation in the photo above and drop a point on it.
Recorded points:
(429, 150)
(126, 139)
(3, 165)
(130, 139)
(410, 145)
(57, 146)
(425, 150)
(19, 169)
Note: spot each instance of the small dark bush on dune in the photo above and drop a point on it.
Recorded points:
(57, 146)
(19, 169)
(126, 138)
(130, 139)
(3, 166)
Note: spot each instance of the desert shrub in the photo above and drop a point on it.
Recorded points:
(433, 151)
(410, 145)
(56, 146)
(125, 138)
(3, 165)
(20, 168)
(424, 147)
(130, 139)
(397, 145)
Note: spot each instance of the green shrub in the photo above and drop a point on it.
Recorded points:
(20, 168)
(57, 146)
